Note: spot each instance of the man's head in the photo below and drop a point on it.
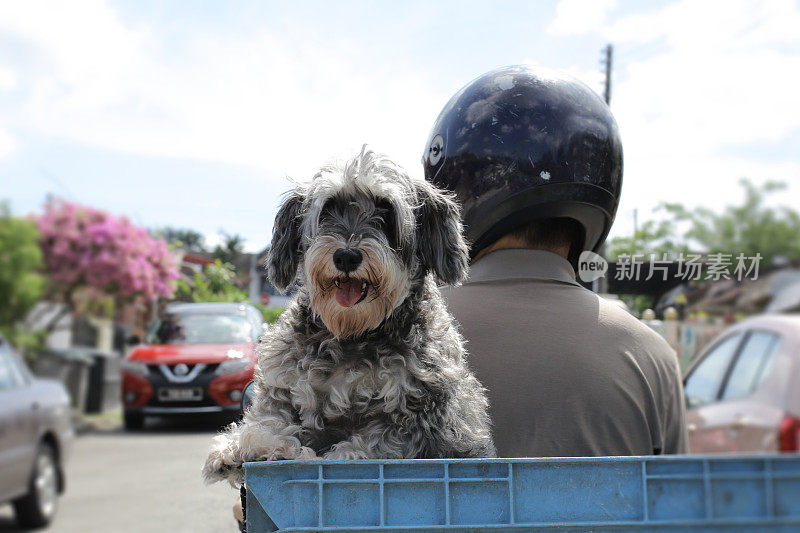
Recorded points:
(524, 149)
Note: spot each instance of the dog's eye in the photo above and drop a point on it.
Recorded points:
(384, 214)
(329, 205)
(384, 207)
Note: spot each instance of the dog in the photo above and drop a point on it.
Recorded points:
(365, 362)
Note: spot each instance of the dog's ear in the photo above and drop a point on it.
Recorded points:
(440, 244)
(284, 253)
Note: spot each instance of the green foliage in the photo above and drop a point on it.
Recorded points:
(230, 249)
(749, 228)
(217, 284)
(652, 238)
(92, 302)
(214, 284)
(20, 282)
(29, 343)
(186, 238)
(271, 314)
(637, 302)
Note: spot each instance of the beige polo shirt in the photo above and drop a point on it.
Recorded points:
(568, 373)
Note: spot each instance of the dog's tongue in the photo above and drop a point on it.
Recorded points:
(348, 293)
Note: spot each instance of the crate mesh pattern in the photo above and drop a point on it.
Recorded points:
(674, 493)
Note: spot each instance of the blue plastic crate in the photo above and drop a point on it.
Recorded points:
(673, 493)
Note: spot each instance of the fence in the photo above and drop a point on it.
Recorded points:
(687, 338)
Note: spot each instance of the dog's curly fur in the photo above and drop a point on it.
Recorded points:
(386, 377)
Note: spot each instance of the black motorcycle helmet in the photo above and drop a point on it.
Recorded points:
(522, 143)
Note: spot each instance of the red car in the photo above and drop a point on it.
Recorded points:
(197, 358)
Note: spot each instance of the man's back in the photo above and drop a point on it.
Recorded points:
(568, 373)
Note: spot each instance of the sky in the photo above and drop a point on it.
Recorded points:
(196, 114)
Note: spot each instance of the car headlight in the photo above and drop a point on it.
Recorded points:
(134, 367)
(232, 365)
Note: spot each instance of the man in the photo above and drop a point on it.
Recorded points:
(535, 160)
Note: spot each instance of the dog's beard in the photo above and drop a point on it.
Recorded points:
(387, 286)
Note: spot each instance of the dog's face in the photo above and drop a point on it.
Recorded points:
(358, 235)
(353, 268)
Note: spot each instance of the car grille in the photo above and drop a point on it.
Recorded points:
(202, 380)
(208, 368)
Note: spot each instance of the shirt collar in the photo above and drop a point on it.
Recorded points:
(521, 264)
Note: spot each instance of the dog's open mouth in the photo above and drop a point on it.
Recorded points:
(350, 291)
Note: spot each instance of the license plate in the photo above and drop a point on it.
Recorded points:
(180, 395)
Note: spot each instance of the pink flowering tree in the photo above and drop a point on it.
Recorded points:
(91, 256)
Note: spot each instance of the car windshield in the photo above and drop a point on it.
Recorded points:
(199, 328)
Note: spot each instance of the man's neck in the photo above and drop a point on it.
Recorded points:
(510, 242)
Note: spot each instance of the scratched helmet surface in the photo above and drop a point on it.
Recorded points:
(522, 143)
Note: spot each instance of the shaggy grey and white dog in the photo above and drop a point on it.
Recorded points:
(365, 362)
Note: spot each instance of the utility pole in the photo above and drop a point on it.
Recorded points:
(600, 285)
(609, 53)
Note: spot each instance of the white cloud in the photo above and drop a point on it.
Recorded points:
(212, 240)
(282, 102)
(593, 78)
(575, 17)
(700, 89)
(8, 78)
(7, 144)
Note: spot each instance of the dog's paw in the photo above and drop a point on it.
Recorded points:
(289, 453)
(345, 451)
(341, 455)
(219, 467)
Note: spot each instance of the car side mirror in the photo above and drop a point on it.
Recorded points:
(248, 394)
(133, 339)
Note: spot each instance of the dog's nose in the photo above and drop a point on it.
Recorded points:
(346, 259)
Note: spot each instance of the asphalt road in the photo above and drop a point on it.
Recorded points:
(141, 482)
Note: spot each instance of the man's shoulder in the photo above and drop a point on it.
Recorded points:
(562, 300)
(624, 324)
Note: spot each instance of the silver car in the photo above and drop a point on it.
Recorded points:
(35, 437)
